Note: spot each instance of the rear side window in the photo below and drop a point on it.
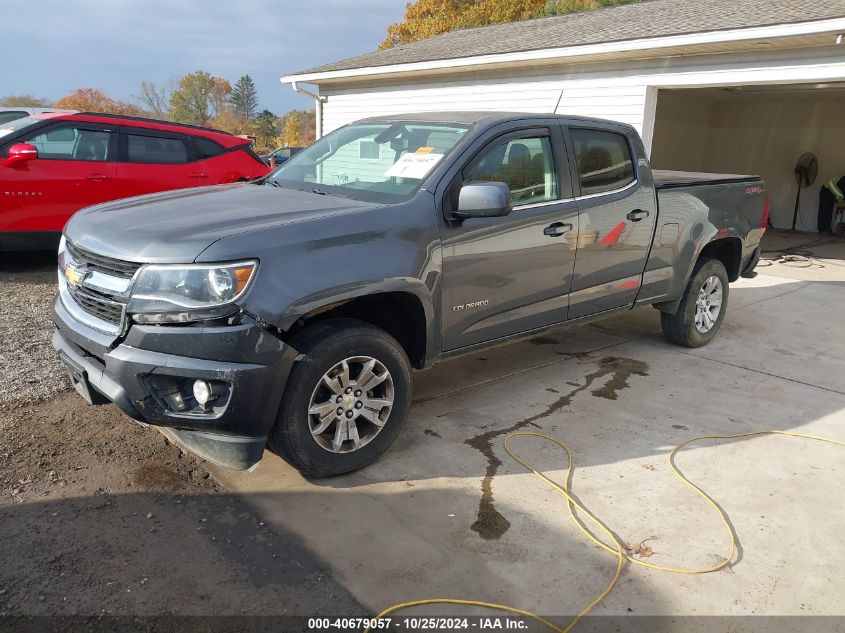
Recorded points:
(155, 149)
(205, 148)
(604, 160)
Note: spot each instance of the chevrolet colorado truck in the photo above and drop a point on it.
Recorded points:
(290, 311)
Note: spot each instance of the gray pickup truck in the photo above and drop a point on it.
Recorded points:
(291, 311)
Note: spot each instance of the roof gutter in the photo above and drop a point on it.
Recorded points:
(318, 104)
(793, 29)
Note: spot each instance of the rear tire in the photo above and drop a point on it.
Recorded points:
(699, 317)
(345, 402)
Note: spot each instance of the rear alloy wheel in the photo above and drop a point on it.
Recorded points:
(702, 307)
(345, 399)
(708, 304)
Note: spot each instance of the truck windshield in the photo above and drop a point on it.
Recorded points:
(371, 162)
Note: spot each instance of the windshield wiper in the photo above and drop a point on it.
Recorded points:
(319, 192)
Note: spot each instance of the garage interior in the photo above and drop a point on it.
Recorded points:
(761, 130)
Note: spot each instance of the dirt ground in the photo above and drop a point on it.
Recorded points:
(101, 517)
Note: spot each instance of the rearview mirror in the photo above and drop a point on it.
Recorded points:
(484, 200)
(21, 153)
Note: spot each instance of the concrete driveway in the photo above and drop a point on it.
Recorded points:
(446, 512)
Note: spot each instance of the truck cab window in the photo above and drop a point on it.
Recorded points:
(604, 160)
(523, 164)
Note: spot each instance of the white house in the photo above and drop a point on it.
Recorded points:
(731, 86)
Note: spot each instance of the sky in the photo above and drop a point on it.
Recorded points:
(52, 47)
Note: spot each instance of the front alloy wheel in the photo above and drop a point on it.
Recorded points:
(345, 398)
(351, 404)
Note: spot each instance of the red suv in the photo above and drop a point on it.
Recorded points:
(55, 164)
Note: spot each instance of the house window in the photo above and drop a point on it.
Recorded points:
(369, 150)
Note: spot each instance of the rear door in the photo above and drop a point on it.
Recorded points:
(511, 274)
(616, 211)
(75, 168)
(152, 161)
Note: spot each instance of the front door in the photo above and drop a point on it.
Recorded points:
(617, 212)
(512, 274)
(75, 168)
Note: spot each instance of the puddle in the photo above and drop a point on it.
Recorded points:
(490, 523)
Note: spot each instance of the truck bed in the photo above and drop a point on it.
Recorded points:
(666, 179)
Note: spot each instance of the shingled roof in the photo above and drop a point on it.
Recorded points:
(651, 18)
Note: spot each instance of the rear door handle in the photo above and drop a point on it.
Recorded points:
(98, 177)
(557, 229)
(637, 214)
(197, 175)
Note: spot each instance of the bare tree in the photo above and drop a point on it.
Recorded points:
(155, 100)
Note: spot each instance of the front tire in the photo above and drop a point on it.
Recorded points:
(702, 308)
(345, 401)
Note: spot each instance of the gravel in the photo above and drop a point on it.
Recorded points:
(31, 371)
(101, 518)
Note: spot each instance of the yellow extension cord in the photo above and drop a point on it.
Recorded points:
(618, 548)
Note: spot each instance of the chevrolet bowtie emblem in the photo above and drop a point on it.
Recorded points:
(74, 276)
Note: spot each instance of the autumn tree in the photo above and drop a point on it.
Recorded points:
(230, 121)
(95, 100)
(266, 129)
(245, 97)
(155, 100)
(427, 18)
(298, 127)
(559, 7)
(198, 98)
(24, 101)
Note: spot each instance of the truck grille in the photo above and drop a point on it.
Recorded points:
(101, 263)
(98, 305)
(101, 292)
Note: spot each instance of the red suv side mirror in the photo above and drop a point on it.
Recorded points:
(21, 153)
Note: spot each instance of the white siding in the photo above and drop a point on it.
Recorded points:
(618, 90)
(500, 94)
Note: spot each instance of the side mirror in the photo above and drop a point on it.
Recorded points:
(484, 200)
(21, 153)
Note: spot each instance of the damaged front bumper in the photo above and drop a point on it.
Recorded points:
(148, 374)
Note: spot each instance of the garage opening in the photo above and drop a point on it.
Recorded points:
(759, 130)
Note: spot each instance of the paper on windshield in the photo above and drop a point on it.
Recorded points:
(413, 165)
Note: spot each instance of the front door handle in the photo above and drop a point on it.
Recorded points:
(557, 229)
(637, 214)
(197, 175)
(98, 177)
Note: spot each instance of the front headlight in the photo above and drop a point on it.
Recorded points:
(183, 293)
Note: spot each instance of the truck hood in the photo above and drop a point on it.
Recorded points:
(176, 226)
